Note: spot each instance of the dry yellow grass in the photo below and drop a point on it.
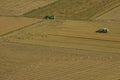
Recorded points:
(70, 34)
(8, 24)
(16, 8)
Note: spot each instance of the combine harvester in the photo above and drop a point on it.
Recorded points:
(102, 30)
(50, 17)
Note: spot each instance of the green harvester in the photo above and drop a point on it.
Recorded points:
(49, 17)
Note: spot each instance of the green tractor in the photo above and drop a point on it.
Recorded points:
(50, 17)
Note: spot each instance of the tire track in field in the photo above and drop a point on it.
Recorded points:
(84, 38)
(19, 29)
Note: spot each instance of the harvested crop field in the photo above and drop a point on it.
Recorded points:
(75, 9)
(8, 24)
(31, 62)
(64, 48)
(111, 15)
(70, 34)
(19, 7)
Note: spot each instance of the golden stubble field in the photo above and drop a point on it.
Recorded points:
(35, 49)
(34, 62)
(111, 15)
(61, 49)
(70, 34)
(19, 7)
(9, 24)
(75, 9)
